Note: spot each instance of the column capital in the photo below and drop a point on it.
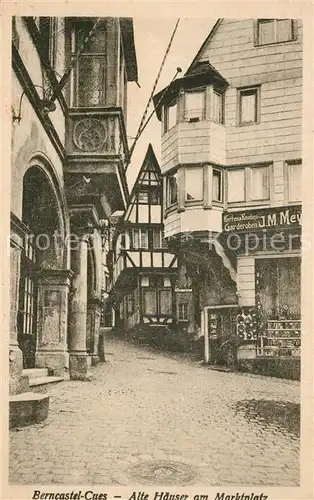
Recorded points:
(55, 277)
(83, 219)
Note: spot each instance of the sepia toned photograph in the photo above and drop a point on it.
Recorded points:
(155, 255)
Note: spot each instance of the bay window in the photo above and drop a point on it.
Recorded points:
(294, 181)
(89, 82)
(194, 105)
(170, 115)
(217, 108)
(194, 183)
(172, 189)
(217, 185)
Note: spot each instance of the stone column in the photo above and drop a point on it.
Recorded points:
(93, 327)
(79, 360)
(17, 382)
(52, 349)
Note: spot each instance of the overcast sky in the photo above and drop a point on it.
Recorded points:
(151, 40)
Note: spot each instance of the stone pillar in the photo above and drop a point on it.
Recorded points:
(79, 362)
(52, 349)
(93, 327)
(17, 382)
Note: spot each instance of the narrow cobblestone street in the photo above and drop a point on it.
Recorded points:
(146, 413)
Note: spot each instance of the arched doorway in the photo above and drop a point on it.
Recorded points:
(43, 249)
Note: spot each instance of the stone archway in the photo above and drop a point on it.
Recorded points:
(44, 280)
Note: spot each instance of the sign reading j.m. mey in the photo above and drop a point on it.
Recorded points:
(257, 220)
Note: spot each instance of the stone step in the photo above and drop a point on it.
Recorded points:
(32, 373)
(27, 408)
(39, 384)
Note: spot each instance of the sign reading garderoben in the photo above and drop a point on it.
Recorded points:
(257, 220)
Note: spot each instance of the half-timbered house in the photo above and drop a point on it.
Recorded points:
(143, 270)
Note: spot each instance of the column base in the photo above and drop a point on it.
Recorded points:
(57, 362)
(17, 383)
(79, 366)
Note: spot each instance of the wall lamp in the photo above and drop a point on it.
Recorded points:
(47, 105)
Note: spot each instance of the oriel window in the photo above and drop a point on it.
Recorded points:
(170, 115)
(89, 74)
(218, 107)
(194, 183)
(172, 189)
(194, 106)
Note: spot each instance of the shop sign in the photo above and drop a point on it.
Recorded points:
(268, 218)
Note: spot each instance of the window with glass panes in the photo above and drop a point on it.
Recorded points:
(217, 108)
(172, 189)
(140, 238)
(248, 105)
(194, 183)
(194, 105)
(294, 181)
(217, 185)
(170, 115)
(28, 287)
(89, 82)
(157, 299)
(274, 31)
(248, 183)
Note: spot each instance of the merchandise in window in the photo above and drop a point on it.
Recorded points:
(248, 106)
(170, 118)
(194, 106)
(294, 182)
(274, 31)
(194, 183)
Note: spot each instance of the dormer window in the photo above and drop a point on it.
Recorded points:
(170, 115)
(194, 109)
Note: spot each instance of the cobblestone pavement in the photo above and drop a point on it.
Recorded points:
(147, 418)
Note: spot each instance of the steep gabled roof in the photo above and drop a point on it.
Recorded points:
(207, 39)
(150, 163)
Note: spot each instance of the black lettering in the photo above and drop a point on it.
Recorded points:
(220, 496)
(36, 494)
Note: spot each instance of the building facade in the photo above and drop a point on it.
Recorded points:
(69, 152)
(144, 272)
(231, 166)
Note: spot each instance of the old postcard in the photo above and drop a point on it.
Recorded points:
(158, 251)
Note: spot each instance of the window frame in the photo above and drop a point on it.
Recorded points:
(202, 115)
(193, 200)
(173, 103)
(256, 89)
(140, 231)
(222, 107)
(221, 189)
(257, 23)
(185, 316)
(170, 176)
(247, 169)
(288, 165)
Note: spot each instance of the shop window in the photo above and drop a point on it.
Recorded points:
(294, 182)
(194, 183)
(89, 81)
(218, 107)
(249, 107)
(217, 185)
(182, 312)
(194, 106)
(172, 189)
(259, 183)
(236, 185)
(274, 31)
(170, 116)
